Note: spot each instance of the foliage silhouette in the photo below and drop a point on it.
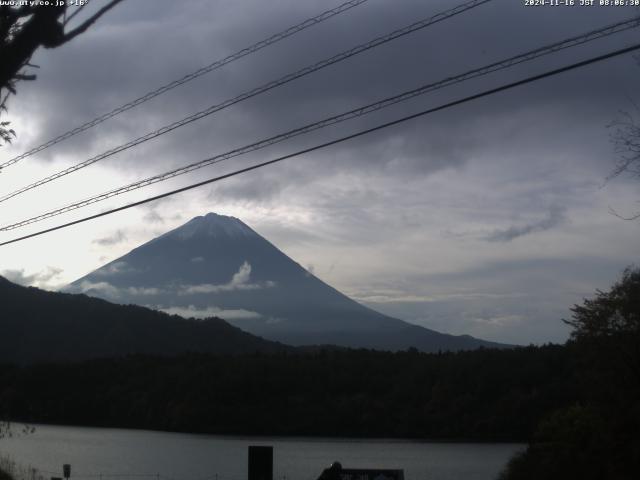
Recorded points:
(480, 395)
(597, 437)
(24, 29)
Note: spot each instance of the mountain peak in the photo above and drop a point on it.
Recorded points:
(214, 226)
(215, 265)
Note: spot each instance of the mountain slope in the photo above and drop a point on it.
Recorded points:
(218, 265)
(46, 326)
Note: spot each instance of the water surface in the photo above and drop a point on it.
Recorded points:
(117, 454)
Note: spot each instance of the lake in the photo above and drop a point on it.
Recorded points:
(117, 454)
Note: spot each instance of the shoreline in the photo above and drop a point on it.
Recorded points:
(277, 437)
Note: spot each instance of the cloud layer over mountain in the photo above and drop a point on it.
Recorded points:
(490, 218)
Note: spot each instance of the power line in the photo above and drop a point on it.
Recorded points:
(310, 22)
(340, 140)
(256, 91)
(361, 111)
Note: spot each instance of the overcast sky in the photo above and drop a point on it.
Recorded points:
(491, 218)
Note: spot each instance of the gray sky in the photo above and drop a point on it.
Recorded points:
(490, 218)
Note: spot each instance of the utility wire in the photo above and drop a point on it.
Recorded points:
(310, 22)
(470, 98)
(358, 112)
(257, 91)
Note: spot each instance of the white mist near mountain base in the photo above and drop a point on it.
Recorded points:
(218, 266)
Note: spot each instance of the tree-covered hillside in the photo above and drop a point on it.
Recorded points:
(483, 394)
(39, 326)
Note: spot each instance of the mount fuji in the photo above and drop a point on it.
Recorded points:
(216, 265)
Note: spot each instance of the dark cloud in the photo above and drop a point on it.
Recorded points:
(555, 217)
(156, 212)
(152, 216)
(42, 278)
(118, 237)
(487, 168)
(206, 31)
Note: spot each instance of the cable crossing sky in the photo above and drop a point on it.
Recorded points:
(310, 22)
(358, 112)
(470, 98)
(376, 42)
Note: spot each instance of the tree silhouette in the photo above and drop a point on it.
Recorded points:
(24, 29)
(609, 325)
(625, 136)
(596, 438)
